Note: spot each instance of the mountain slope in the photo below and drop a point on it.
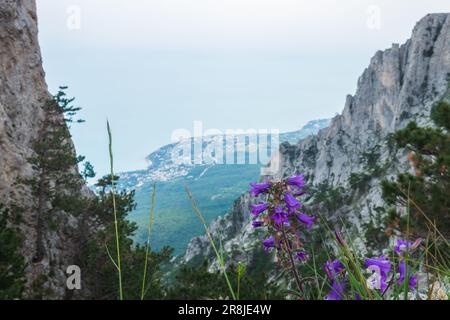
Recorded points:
(400, 85)
(215, 186)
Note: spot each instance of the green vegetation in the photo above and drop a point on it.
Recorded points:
(425, 193)
(428, 187)
(327, 196)
(193, 283)
(177, 223)
(375, 236)
(187, 283)
(12, 264)
(101, 272)
(55, 163)
(372, 168)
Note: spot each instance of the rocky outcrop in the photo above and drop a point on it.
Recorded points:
(400, 85)
(23, 92)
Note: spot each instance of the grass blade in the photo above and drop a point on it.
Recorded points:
(113, 193)
(149, 230)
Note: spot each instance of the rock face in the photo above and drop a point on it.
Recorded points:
(23, 91)
(400, 85)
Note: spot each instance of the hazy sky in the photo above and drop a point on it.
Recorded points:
(154, 66)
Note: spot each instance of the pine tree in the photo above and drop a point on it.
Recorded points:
(57, 184)
(428, 187)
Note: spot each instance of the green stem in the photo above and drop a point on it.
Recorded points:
(113, 192)
(150, 224)
(406, 280)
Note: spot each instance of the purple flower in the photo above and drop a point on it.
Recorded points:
(298, 181)
(292, 203)
(257, 209)
(279, 216)
(403, 271)
(337, 291)
(302, 256)
(382, 267)
(382, 263)
(299, 193)
(412, 281)
(402, 246)
(333, 269)
(257, 188)
(257, 224)
(269, 243)
(306, 220)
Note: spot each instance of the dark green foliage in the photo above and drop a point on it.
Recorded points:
(66, 107)
(197, 283)
(429, 186)
(441, 114)
(359, 180)
(88, 170)
(425, 141)
(57, 183)
(12, 263)
(375, 236)
(100, 270)
(55, 160)
(370, 160)
(328, 196)
(106, 182)
(54, 151)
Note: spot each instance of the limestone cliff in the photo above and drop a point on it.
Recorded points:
(23, 92)
(400, 85)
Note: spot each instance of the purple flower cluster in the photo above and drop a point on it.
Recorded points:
(381, 266)
(403, 248)
(281, 214)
